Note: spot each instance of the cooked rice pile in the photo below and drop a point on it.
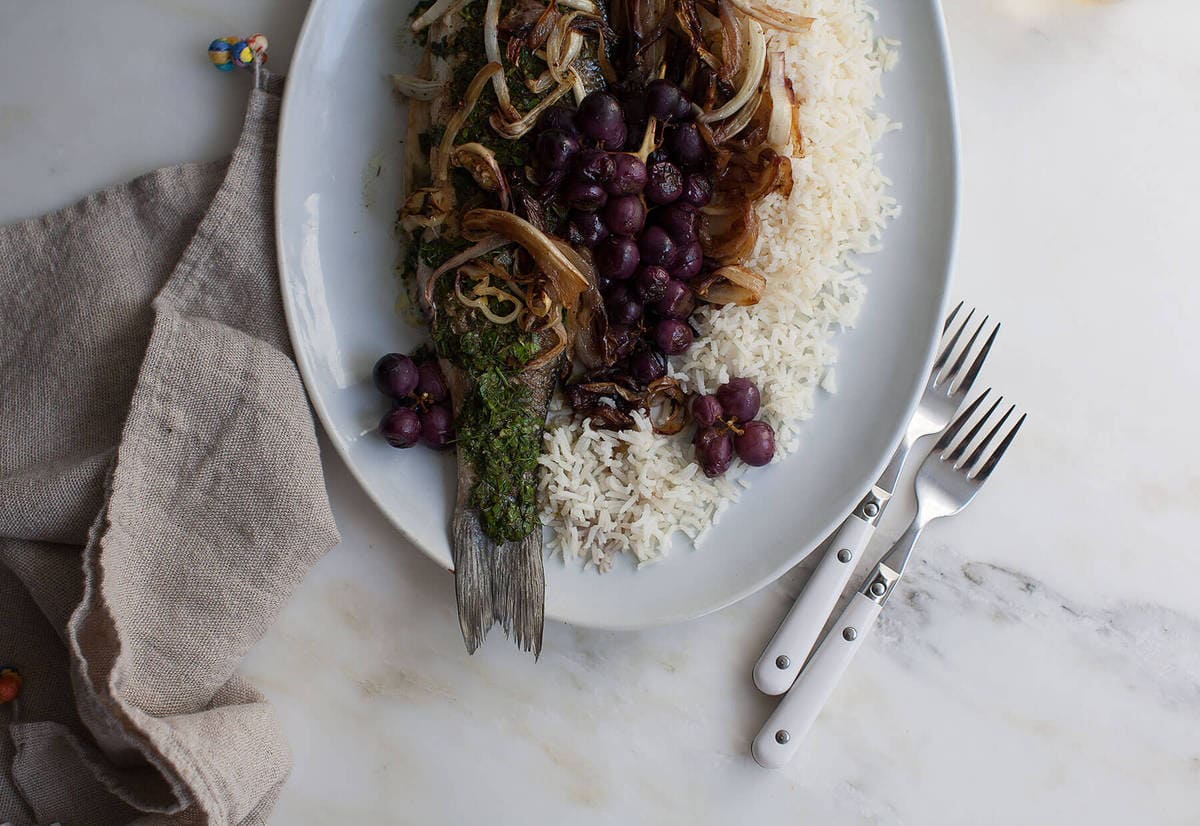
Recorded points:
(605, 492)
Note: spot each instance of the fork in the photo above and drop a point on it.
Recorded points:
(947, 387)
(945, 484)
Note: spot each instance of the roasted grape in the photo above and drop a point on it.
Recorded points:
(755, 445)
(401, 427)
(739, 398)
(625, 214)
(616, 257)
(395, 375)
(714, 451)
(706, 410)
(673, 337)
(437, 427)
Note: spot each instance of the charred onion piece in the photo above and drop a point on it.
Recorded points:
(666, 393)
(731, 41)
(732, 285)
(566, 270)
(483, 246)
(756, 61)
(484, 168)
(417, 88)
(440, 9)
(441, 160)
(772, 17)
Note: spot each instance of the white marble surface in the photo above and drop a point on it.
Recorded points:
(1043, 664)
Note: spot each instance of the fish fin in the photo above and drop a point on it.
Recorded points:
(519, 591)
(474, 553)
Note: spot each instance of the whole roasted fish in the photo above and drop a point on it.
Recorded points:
(507, 301)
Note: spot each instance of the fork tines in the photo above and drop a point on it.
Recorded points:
(971, 466)
(953, 374)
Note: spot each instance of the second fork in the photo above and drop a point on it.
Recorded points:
(945, 484)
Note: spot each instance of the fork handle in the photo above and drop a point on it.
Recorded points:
(781, 660)
(780, 737)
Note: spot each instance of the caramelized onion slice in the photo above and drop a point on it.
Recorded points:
(732, 285)
(484, 168)
(417, 88)
(772, 17)
(756, 60)
(665, 396)
(563, 267)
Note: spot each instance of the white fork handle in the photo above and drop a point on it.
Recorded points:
(781, 660)
(780, 737)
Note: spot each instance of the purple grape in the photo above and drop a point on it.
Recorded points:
(656, 247)
(688, 262)
(683, 109)
(685, 144)
(697, 189)
(437, 427)
(601, 119)
(673, 336)
(584, 196)
(616, 257)
(706, 410)
(431, 382)
(622, 307)
(646, 366)
(557, 117)
(714, 451)
(603, 283)
(629, 175)
(595, 166)
(395, 375)
(548, 179)
(662, 99)
(664, 183)
(739, 398)
(677, 301)
(756, 445)
(623, 339)
(650, 282)
(586, 228)
(657, 156)
(625, 214)
(555, 149)
(680, 221)
(401, 427)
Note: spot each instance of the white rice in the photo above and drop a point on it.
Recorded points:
(605, 492)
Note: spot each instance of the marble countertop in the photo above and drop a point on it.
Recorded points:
(1043, 663)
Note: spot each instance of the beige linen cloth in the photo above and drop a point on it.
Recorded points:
(161, 496)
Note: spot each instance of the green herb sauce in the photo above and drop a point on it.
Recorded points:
(495, 427)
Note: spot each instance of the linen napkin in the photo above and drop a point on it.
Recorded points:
(161, 495)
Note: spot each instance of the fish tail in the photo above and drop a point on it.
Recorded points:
(498, 583)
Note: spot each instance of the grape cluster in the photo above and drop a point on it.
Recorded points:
(420, 412)
(641, 220)
(725, 424)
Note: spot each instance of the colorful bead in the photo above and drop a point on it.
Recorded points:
(258, 42)
(243, 55)
(220, 53)
(10, 684)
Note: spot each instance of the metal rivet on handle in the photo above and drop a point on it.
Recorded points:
(844, 555)
(878, 588)
(871, 509)
(782, 737)
(783, 661)
(850, 634)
